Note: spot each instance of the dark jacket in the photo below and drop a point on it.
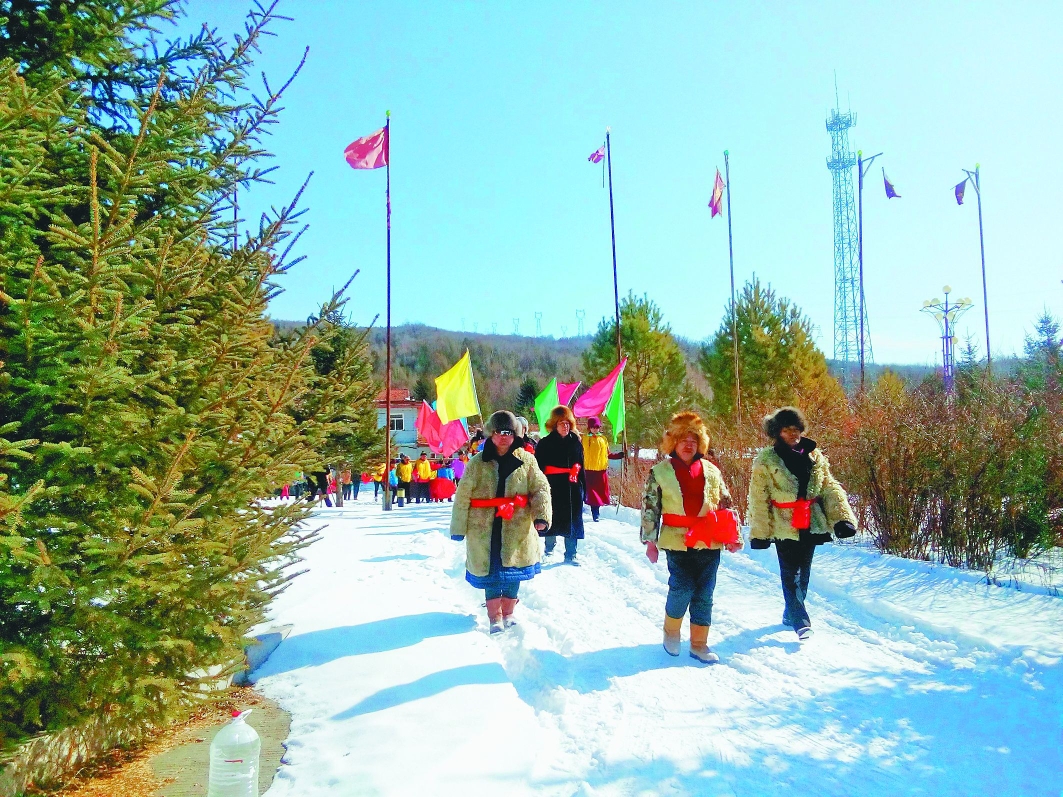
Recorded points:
(566, 496)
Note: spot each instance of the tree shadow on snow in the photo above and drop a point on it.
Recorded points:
(429, 685)
(320, 647)
(403, 557)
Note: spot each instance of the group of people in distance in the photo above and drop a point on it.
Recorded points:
(510, 497)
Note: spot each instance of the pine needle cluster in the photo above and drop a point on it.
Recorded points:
(146, 401)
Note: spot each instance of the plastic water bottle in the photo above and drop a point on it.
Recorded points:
(234, 760)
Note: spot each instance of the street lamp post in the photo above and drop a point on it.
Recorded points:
(975, 179)
(946, 314)
(862, 171)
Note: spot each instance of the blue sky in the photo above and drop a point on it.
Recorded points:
(496, 105)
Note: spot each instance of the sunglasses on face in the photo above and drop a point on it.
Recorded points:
(504, 433)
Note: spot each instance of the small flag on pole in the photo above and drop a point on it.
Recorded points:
(597, 155)
(370, 152)
(959, 192)
(716, 203)
(605, 397)
(891, 192)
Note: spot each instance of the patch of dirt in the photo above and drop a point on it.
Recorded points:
(129, 772)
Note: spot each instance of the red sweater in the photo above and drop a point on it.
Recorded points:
(691, 483)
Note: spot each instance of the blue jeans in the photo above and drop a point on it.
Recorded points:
(795, 567)
(570, 545)
(691, 581)
(508, 590)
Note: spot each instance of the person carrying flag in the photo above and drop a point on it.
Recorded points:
(596, 456)
(560, 457)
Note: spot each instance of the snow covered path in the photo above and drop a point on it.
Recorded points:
(919, 680)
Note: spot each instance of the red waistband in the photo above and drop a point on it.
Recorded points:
(719, 526)
(802, 512)
(506, 506)
(573, 472)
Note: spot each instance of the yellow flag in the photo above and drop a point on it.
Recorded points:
(456, 393)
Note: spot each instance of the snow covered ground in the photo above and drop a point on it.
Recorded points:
(919, 680)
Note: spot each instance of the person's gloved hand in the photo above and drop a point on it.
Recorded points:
(734, 547)
(843, 529)
(651, 552)
(758, 544)
(540, 525)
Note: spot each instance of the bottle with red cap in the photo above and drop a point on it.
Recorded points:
(234, 759)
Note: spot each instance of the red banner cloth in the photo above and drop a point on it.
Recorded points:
(573, 472)
(370, 152)
(506, 506)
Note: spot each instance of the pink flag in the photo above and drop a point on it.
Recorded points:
(717, 196)
(428, 425)
(593, 402)
(565, 391)
(370, 152)
(597, 155)
(451, 438)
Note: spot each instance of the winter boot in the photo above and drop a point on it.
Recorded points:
(671, 635)
(804, 633)
(508, 605)
(494, 615)
(699, 647)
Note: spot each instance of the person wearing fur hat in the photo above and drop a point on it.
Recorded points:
(686, 513)
(596, 456)
(525, 441)
(795, 502)
(560, 457)
(502, 503)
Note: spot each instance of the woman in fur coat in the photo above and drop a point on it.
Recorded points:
(502, 503)
(560, 457)
(795, 502)
(686, 513)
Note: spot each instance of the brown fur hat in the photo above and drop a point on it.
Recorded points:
(561, 413)
(781, 418)
(682, 424)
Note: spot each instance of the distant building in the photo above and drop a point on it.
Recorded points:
(404, 437)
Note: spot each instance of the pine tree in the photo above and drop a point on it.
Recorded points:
(525, 402)
(422, 390)
(778, 360)
(146, 400)
(655, 379)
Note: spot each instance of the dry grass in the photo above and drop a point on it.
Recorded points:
(129, 772)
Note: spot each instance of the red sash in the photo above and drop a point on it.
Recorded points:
(802, 516)
(506, 506)
(719, 526)
(573, 472)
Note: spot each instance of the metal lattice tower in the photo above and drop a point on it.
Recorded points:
(516, 326)
(581, 316)
(846, 244)
(538, 324)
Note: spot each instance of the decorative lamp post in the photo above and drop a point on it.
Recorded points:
(946, 314)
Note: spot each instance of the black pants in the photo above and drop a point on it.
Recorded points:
(795, 567)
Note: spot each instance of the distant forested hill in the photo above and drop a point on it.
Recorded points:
(504, 362)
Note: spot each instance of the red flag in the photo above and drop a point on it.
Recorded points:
(451, 438)
(717, 196)
(597, 155)
(370, 152)
(565, 391)
(428, 425)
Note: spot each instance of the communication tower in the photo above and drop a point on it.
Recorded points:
(538, 324)
(516, 326)
(581, 316)
(846, 244)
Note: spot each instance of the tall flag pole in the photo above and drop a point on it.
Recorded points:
(734, 312)
(974, 178)
(616, 299)
(862, 171)
(372, 152)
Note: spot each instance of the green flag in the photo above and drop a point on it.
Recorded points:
(615, 411)
(545, 403)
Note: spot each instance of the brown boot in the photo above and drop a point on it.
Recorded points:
(699, 647)
(672, 627)
(508, 605)
(494, 615)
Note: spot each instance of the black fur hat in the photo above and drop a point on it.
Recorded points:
(502, 420)
(781, 418)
